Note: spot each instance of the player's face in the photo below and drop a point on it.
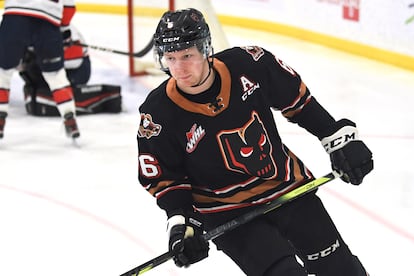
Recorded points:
(189, 67)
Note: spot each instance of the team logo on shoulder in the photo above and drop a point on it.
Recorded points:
(194, 136)
(255, 51)
(249, 87)
(147, 128)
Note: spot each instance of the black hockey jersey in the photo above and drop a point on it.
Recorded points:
(227, 153)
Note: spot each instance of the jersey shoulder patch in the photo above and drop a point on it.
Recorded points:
(147, 128)
(255, 51)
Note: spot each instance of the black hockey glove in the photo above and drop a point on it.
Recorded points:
(186, 241)
(66, 36)
(349, 156)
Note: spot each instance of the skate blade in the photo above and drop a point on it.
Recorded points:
(75, 142)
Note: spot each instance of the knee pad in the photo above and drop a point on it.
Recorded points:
(80, 75)
(288, 266)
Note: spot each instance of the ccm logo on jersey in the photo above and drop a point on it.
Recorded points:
(248, 87)
(147, 128)
(194, 136)
(324, 253)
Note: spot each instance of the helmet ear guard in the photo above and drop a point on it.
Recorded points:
(180, 30)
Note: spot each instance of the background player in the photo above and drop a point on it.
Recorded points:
(42, 24)
(77, 65)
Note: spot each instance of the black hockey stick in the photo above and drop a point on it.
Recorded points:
(139, 54)
(232, 224)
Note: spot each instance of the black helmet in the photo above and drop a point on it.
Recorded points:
(179, 30)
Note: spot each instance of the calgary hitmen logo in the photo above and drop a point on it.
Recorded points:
(248, 149)
(147, 128)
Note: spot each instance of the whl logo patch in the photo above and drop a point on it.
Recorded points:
(248, 87)
(194, 136)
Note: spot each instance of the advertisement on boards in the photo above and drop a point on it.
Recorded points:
(350, 8)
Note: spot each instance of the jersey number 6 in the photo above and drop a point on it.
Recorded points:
(149, 166)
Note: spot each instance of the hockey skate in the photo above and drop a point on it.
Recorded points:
(3, 116)
(71, 126)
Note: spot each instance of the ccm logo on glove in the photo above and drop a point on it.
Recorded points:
(349, 156)
(340, 138)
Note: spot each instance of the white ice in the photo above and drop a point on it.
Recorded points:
(67, 210)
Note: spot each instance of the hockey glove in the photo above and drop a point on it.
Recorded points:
(66, 36)
(349, 155)
(186, 240)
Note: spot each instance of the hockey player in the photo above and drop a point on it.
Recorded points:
(43, 24)
(209, 151)
(77, 65)
(89, 99)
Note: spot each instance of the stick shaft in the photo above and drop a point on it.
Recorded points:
(234, 223)
(274, 204)
(141, 53)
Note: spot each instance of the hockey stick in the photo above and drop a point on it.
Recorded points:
(141, 53)
(234, 223)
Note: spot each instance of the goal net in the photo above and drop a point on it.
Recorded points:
(143, 17)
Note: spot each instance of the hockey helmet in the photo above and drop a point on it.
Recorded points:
(179, 30)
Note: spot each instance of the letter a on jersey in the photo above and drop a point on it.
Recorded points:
(248, 87)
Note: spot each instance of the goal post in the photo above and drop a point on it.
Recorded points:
(143, 17)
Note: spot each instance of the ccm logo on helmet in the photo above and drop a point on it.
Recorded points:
(171, 39)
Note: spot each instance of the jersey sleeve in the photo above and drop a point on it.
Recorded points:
(160, 162)
(69, 10)
(290, 95)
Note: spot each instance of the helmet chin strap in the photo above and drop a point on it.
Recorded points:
(205, 79)
(210, 67)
